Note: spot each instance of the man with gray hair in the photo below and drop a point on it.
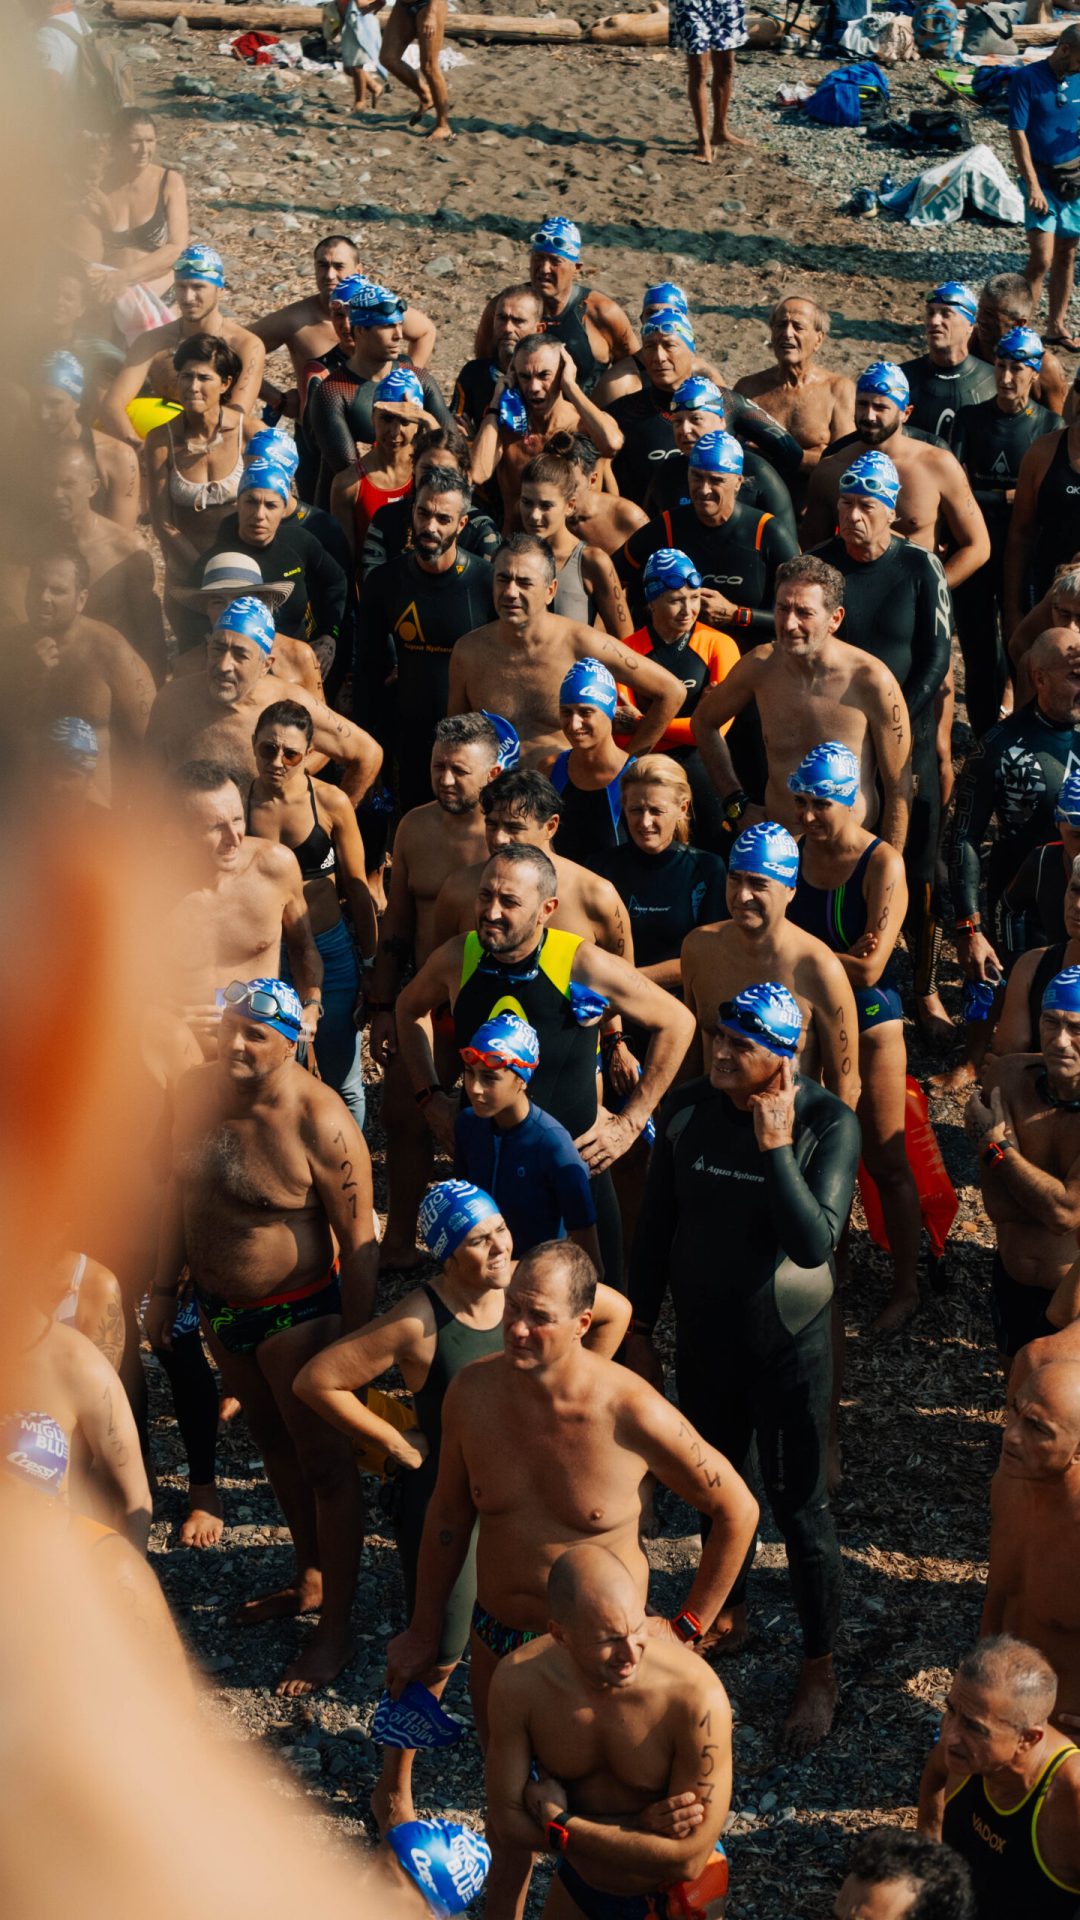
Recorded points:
(1005, 302)
(815, 406)
(1045, 138)
(1002, 1786)
(947, 376)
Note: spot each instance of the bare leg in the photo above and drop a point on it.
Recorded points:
(511, 1868)
(1062, 268)
(391, 1797)
(883, 1064)
(1040, 248)
(813, 1708)
(697, 87)
(408, 1168)
(430, 28)
(329, 1472)
(723, 83)
(397, 33)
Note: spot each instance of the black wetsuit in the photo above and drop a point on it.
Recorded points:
(752, 1347)
(411, 619)
(1033, 904)
(1002, 1850)
(1057, 516)
(339, 415)
(1012, 776)
(990, 445)
(472, 393)
(320, 586)
(898, 608)
(591, 821)
(761, 487)
(739, 559)
(645, 421)
(938, 393)
(666, 895)
(390, 533)
(317, 521)
(569, 327)
(564, 1084)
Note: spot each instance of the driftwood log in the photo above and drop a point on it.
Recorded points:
(299, 19)
(650, 29)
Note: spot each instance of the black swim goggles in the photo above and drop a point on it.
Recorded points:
(730, 1015)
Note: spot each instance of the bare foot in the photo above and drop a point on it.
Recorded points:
(424, 107)
(730, 140)
(441, 132)
(285, 1604)
(729, 1634)
(396, 1257)
(228, 1408)
(932, 1020)
(957, 1078)
(703, 155)
(205, 1521)
(390, 1806)
(897, 1311)
(812, 1711)
(320, 1662)
(834, 1471)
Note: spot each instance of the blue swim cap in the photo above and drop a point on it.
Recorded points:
(65, 373)
(768, 850)
(374, 306)
(666, 294)
(767, 1014)
(353, 283)
(448, 1213)
(200, 263)
(873, 476)
(1022, 344)
(279, 448)
(400, 388)
(558, 237)
(509, 741)
(273, 1003)
(34, 1447)
(671, 321)
(448, 1862)
(415, 1719)
(77, 737)
(953, 293)
(886, 378)
(589, 684)
(716, 453)
(586, 1004)
(1062, 995)
(250, 618)
(667, 569)
(513, 414)
(697, 395)
(266, 474)
(829, 772)
(510, 1040)
(1067, 805)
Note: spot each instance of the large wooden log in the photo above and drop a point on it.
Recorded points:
(300, 19)
(650, 29)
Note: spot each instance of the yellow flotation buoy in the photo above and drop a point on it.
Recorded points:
(147, 412)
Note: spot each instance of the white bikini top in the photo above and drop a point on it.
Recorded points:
(199, 495)
(64, 1314)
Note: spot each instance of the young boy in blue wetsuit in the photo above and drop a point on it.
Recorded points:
(514, 1150)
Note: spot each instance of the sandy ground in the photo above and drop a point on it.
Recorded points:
(272, 163)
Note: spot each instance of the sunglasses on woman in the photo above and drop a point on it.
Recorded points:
(269, 750)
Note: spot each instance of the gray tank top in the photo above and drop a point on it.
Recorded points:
(572, 597)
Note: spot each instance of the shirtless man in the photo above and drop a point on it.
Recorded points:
(432, 843)
(1028, 1141)
(55, 399)
(537, 397)
(631, 1736)
(576, 1437)
(1059, 607)
(270, 1190)
(936, 507)
(245, 897)
(226, 577)
(121, 593)
(90, 670)
(304, 328)
(814, 406)
(805, 681)
(199, 278)
(758, 944)
(1002, 1786)
(595, 329)
(516, 665)
(212, 716)
(601, 519)
(518, 312)
(1031, 1587)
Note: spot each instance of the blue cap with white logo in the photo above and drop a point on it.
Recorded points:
(509, 740)
(65, 373)
(697, 395)
(200, 263)
(1022, 344)
(448, 1862)
(249, 618)
(373, 306)
(953, 293)
(76, 737)
(557, 236)
(1062, 993)
(672, 323)
(828, 772)
(1067, 805)
(448, 1213)
(767, 850)
(887, 379)
(873, 476)
(716, 453)
(590, 684)
(767, 1014)
(666, 571)
(279, 448)
(259, 475)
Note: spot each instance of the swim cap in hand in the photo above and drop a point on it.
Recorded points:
(1067, 805)
(512, 412)
(414, 1720)
(448, 1862)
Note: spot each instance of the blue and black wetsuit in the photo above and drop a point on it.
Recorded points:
(746, 1241)
(1013, 777)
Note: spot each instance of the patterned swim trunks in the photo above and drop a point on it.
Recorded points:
(706, 26)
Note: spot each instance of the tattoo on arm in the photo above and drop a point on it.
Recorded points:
(348, 1183)
(109, 1338)
(117, 1445)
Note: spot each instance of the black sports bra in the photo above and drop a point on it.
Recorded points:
(315, 852)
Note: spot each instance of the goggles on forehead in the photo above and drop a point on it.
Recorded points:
(266, 1005)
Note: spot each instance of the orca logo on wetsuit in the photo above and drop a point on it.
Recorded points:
(663, 453)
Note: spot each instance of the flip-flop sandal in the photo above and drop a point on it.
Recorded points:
(1067, 340)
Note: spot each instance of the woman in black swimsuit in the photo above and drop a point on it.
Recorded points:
(139, 213)
(317, 821)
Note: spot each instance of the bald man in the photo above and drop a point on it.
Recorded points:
(1033, 1587)
(631, 1736)
(815, 406)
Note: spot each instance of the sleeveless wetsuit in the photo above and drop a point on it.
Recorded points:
(569, 327)
(411, 1489)
(572, 597)
(752, 1348)
(837, 915)
(1001, 1847)
(1057, 515)
(592, 817)
(938, 393)
(369, 498)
